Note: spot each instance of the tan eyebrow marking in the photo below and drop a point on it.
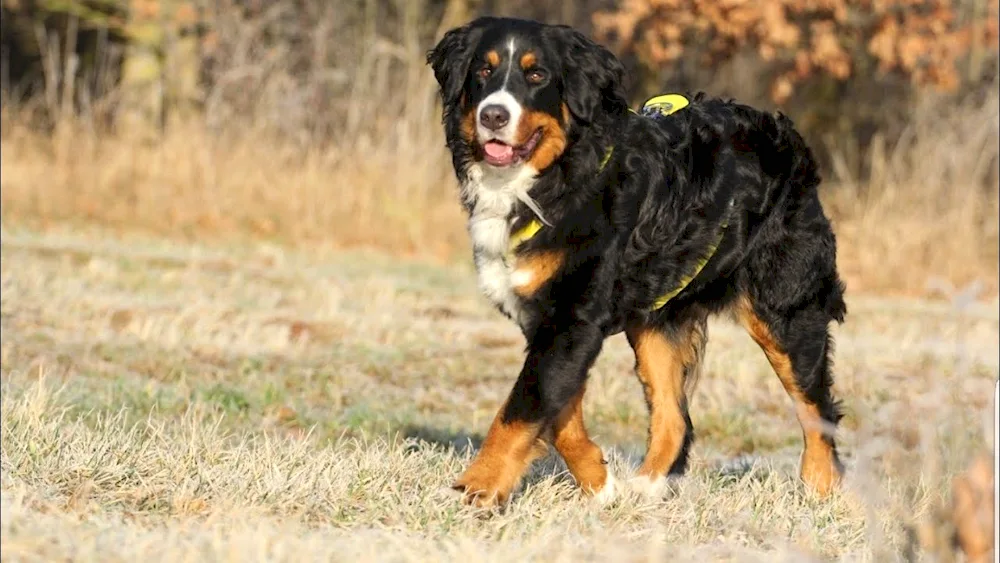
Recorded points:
(493, 58)
(528, 60)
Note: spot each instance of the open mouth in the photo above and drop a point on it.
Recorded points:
(498, 153)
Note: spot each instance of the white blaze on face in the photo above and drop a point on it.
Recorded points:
(504, 99)
(507, 133)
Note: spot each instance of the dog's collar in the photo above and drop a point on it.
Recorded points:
(525, 233)
(655, 106)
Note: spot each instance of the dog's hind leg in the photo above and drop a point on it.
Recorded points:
(798, 349)
(667, 363)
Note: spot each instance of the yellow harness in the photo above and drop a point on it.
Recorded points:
(662, 105)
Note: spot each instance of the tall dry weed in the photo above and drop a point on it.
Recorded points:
(926, 210)
(333, 138)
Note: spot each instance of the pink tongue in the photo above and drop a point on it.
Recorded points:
(499, 151)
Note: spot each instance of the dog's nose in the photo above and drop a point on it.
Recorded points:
(494, 117)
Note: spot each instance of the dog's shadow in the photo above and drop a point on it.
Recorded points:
(626, 459)
(418, 437)
(464, 445)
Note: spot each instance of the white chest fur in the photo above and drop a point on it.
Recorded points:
(494, 193)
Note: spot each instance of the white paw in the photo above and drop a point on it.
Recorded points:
(450, 493)
(648, 487)
(608, 492)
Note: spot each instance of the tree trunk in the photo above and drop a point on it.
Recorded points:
(160, 73)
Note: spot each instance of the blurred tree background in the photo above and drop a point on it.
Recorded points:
(898, 97)
(845, 69)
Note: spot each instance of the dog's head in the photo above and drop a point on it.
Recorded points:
(513, 91)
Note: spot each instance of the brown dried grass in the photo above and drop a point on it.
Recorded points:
(353, 155)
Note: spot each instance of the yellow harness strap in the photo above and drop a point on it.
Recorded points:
(686, 280)
(606, 159)
(664, 105)
(523, 234)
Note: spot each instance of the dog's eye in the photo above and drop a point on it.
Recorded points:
(535, 76)
(485, 72)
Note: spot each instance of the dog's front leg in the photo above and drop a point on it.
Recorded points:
(554, 374)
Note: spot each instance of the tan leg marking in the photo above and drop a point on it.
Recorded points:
(583, 457)
(660, 368)
(819, 467)
(508, 450)
(533, 270)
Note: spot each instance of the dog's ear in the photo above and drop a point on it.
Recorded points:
(451, 57)
(593, 78)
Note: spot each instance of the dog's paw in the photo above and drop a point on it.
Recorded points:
(607, 493)
(649, 487)
(481, 492)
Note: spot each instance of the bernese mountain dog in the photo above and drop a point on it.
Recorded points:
(588, 219)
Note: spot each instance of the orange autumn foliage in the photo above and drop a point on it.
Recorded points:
(927, 41)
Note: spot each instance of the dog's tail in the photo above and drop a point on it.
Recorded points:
(799, 170)
(799, 165)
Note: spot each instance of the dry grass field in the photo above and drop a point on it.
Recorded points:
(920, 213)
(255, 335)
(252, 402)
